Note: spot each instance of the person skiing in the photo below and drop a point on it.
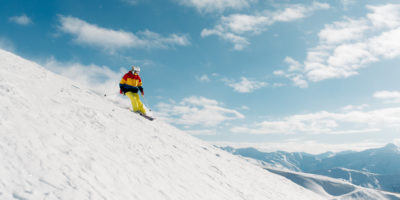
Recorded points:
(129, 85)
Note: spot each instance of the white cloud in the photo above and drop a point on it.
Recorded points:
(348, 45)
(341, 62)
(276, 85)
(203, 78)
(100, 78)
(155, 40)
(297, 78)
(397, 142)
(93, 35)
(236, 27)
(352, 107)
(239, 42)
(199, 111)
(245, 108)
(131, 2)
(386, 45)
(296, 12)
(21, 20)
(279, 73)
(207, 6)
(294, 65)
(323, 122)
(385, 16)
(388, 96)
(245, 85)
(343, 31)
(347, 3)
(240, 23)
(7, 44)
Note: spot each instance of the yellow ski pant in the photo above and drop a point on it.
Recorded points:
(137, 105)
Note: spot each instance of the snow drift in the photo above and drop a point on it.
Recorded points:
(59, 140)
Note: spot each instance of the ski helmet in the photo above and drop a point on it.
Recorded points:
(135, 69)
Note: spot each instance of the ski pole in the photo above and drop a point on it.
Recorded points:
(146, 102)
(114, 93)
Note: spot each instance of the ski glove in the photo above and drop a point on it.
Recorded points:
(121, 89)
(141, 90)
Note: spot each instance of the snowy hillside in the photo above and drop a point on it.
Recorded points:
(59, 140)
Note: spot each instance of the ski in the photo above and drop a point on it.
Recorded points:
(147, 117)
(144, 116)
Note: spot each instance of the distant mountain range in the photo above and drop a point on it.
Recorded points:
(373, 168)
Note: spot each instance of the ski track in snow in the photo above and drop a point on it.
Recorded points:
(59, 140)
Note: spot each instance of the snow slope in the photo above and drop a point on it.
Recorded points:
(61, 141)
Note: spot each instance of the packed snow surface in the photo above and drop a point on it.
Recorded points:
(59, 140)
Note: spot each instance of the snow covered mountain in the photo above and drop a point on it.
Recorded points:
(330, 187)
(373, 168)
(297, 161)
(370, 180)
(59, 140)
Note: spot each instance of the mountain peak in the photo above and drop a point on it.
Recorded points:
(391, 147)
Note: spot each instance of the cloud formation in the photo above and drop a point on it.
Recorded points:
(207, 6)
(348, 45)
(130, 2)
(98, 78)
(388, 96)
(7, 44)
(244, 85)
(200, 111)
(236, 28)
(22, 20)
(108, 39)
(347, 3)
(203, 78)
(352, 119)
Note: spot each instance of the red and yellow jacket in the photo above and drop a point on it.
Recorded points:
(131, 83)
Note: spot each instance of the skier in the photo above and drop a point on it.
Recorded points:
(130, 84)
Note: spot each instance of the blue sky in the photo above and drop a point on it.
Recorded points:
(292, 75)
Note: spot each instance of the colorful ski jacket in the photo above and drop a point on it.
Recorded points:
(131, 83)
